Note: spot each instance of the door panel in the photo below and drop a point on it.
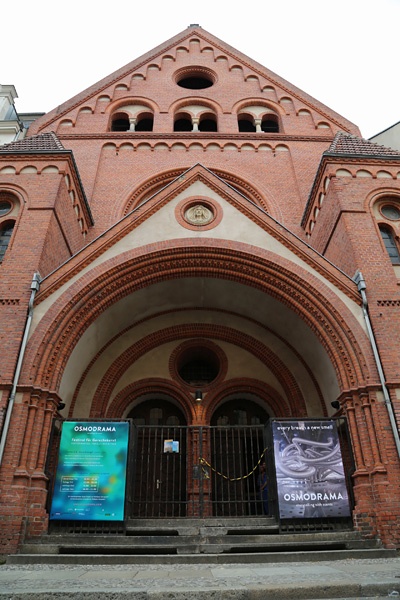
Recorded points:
(160, 475)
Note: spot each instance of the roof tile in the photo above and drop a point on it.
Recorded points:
(347, 144)
(37, 143)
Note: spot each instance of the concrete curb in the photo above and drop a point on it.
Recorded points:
(281, 592)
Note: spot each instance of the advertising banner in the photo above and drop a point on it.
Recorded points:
(309, 469)
(91, 474)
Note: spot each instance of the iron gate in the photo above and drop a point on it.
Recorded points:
(188, 471)
(198, 471)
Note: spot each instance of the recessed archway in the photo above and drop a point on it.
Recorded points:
(231, 283)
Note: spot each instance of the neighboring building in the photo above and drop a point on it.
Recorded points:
(10, 124)
(13, 126)
(195, 244)
(388, 137)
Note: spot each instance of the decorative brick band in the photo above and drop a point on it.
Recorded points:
(388, 302)
(9, 301)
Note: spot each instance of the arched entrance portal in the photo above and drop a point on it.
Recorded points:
(273, 333)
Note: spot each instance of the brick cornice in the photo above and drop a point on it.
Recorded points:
(327, 160)
(129, 136)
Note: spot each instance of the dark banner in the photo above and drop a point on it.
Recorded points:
(309, 470)
(91, 474)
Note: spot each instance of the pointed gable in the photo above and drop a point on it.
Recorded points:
(163, 221)
(196, 51)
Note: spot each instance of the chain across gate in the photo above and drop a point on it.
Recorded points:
(203, 462)
(197, 471)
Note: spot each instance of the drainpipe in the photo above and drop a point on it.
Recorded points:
(361, 285)
(34, 289)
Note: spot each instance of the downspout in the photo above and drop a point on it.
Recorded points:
(34, 289)
(361, 285)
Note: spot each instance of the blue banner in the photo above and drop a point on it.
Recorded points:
(309, 470)
(91, 474)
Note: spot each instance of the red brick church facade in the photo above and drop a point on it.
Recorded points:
(194, 208)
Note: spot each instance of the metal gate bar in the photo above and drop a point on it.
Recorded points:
(160, 475)
(196, 481)
(211, 471)
(235, 454)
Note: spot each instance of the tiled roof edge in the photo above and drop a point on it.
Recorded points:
(42, 142)
(346, 144)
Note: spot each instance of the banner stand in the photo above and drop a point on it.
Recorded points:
(308, 474)
(90, 482)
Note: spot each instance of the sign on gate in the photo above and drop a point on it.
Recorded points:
(91, 474)
(309, 469)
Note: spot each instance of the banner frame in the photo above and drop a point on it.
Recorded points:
(311, 523)
(128, 467)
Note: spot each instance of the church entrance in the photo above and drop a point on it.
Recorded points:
(184, 470)
(205, 471)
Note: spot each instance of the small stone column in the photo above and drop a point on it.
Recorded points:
(257, 123)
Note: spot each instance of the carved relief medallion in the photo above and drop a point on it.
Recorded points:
(199, 214)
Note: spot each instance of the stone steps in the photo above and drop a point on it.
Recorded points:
(190, 559)
(178, 540)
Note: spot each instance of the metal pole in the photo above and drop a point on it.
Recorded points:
(361, 285)
(34, 289)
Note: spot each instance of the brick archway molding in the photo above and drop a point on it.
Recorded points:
(314, 302)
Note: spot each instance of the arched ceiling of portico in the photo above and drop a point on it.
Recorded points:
(145, 349)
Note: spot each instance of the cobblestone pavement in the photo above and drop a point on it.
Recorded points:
(351, 578)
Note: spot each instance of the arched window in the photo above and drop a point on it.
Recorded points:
(120, 122)
(157, 412)
(208, 124)
(390, 244)
(6, 230)
(270, 124)
(183, 124)
(239, 412)
(144, 124)
(246, 124)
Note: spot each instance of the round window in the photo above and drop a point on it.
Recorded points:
(390, 212)
(198, 366)
(197, 78)
(5, 207)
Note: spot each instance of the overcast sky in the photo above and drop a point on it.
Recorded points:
(345, 53)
